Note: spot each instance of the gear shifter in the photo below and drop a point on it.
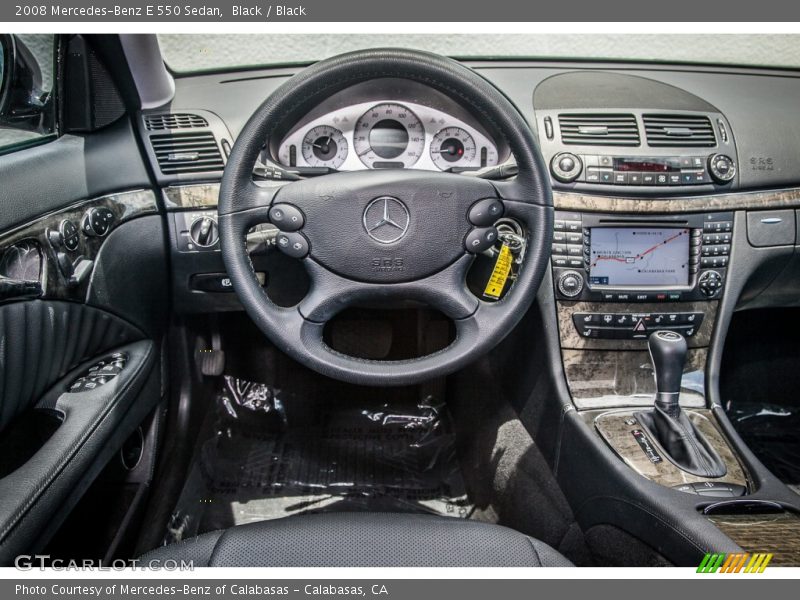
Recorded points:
(666, 422)
(668, 353)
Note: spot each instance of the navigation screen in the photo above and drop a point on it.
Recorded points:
(639, 256)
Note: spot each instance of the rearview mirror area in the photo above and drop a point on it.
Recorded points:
(26, 102)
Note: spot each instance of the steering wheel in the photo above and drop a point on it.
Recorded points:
(386, 234)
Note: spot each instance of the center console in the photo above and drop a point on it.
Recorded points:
(618, 279)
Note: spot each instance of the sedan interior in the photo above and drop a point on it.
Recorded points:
(390, 308)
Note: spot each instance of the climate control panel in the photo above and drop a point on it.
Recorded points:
(632, 326)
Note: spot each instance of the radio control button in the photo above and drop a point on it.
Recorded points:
(722, 168)
(714, 262)
(573, 225)
(559, 237)
(575, 262)
(566, 167)
(710, 283)
(570, 284)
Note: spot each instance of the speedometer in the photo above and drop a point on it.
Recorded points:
(389, 136)
(324, 146)
(453, 147)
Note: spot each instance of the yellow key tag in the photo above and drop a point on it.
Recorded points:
(502, 267)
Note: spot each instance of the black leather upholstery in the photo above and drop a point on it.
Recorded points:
(363, 540)
(41, 341)
(685, 445)
(36, 497)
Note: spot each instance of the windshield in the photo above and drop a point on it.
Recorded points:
(186, 53)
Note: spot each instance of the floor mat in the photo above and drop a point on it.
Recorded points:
(267, 453)
(771, 432)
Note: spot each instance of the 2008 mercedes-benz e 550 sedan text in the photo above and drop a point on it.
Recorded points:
(393, 309)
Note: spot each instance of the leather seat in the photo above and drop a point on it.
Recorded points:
(363, 540)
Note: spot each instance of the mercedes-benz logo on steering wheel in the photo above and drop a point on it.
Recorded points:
(386, 219)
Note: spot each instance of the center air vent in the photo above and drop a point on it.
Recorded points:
(174, 121)
(598, 130)
(678, 131)
(187, 152)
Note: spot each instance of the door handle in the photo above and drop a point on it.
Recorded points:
(19, 288)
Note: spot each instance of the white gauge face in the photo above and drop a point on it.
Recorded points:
(454, 147)
(389, 136)
(324, 146)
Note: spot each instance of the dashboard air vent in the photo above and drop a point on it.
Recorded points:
(678, 130)
(187, 152)
(174, 121)
(599, 129)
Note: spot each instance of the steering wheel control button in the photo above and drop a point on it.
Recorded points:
(286, 217)
(570, 284)
(97, 221)
(485, 212)
(292, 244)
(480, 240)
(722, 168)
(204, 232)
(566, 167)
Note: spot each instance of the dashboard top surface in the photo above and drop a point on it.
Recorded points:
(760, 105)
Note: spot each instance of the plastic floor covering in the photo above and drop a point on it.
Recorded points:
(265, 454)
(771, 432)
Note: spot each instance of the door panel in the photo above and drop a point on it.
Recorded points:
(41, 341)
(101, 287)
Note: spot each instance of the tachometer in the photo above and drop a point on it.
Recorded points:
(454, 147)
(324, 146)
(389, 136)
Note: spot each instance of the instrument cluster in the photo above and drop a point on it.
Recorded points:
(387, 135)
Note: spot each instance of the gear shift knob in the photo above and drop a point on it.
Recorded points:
(668, 353)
